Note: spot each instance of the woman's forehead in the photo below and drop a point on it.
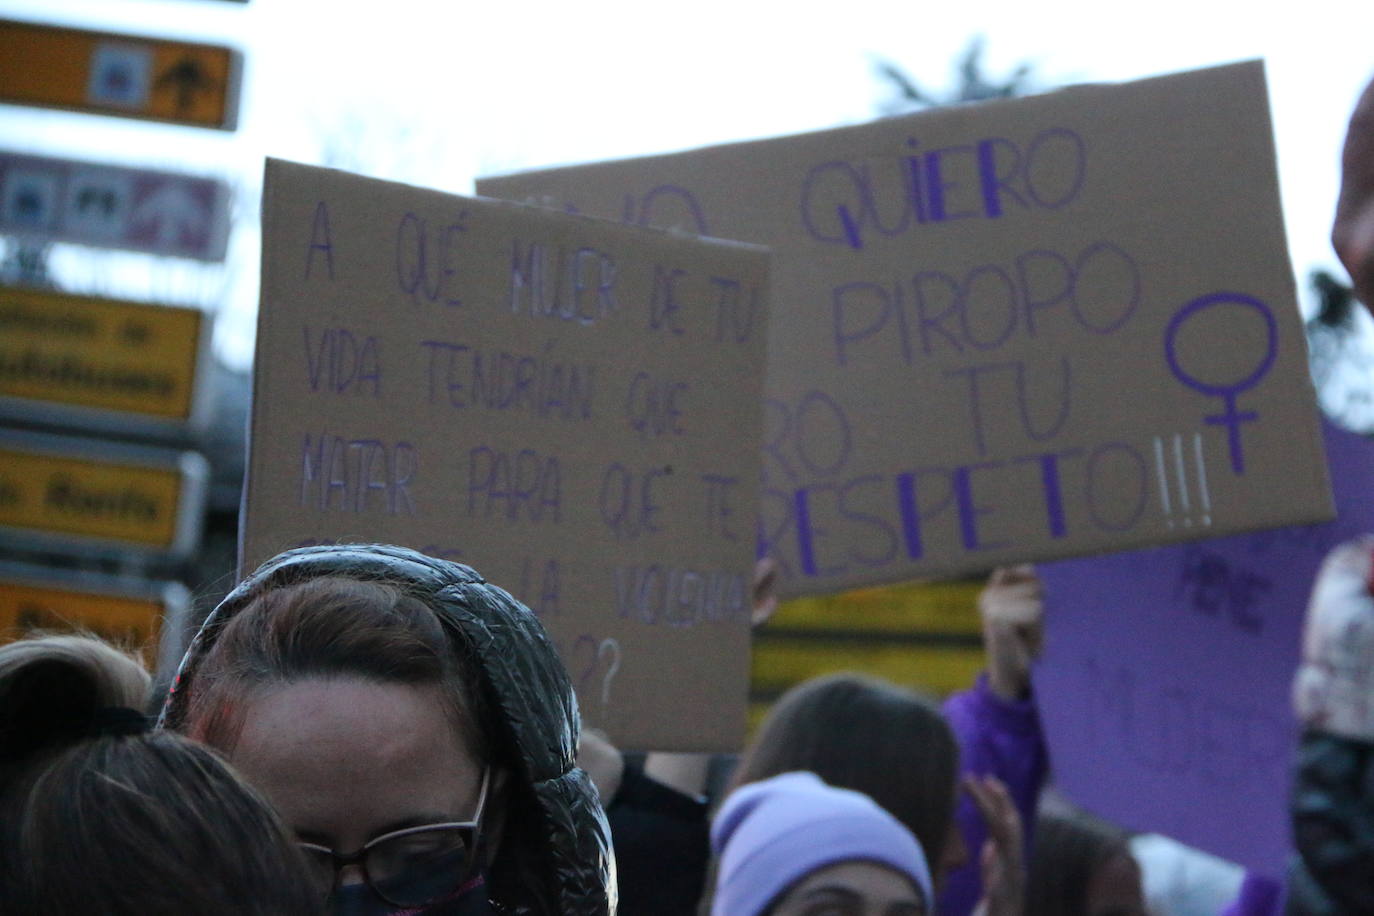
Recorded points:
(345, 758)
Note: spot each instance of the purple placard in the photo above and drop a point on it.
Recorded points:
(1165, 682)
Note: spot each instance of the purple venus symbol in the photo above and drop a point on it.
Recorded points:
(1230, 417)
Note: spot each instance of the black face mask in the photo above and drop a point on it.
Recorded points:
(361, 900)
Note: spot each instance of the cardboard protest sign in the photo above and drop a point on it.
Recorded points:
(1166, 684)
(568, 405)
(1018, 330)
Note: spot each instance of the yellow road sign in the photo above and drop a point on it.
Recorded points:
(139, 615)
(925, 635)
(132, 622)
(88, 493)
(100, 354)
(782, 663)
(933, 607)
(128, 75)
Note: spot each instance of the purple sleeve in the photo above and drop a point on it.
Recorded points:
(996, 738)
(1258, 896)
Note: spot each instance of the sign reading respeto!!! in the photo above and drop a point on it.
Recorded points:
(1019, 330)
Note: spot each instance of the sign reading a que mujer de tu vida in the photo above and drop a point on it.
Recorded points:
(570, 406)
(1019, 330)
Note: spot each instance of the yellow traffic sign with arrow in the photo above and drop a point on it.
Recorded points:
(129, 75)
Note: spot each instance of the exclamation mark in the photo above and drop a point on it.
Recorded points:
(1174, 489)
(1202, 479)
(1162, 469)
(1183, 502)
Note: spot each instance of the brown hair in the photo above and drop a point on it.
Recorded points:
(858, 732)
(376, 630)
(334, 626)
(1068, 849)
(124, 822)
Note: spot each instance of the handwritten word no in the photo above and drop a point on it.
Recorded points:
(846, 203)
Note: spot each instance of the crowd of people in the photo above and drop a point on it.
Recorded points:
(368, 730)
(365, 729)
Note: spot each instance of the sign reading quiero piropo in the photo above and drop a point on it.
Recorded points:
(1025, 329)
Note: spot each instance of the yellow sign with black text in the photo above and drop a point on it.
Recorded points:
(64, 495)
(99, 353)
(924, 635)
(123, 620)
(128, 75)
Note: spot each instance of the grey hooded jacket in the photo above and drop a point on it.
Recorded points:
(556, 855)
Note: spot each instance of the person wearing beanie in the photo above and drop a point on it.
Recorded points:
(791, 843)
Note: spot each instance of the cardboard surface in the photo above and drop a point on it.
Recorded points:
(1166, 682)
(568, 405)
(1018, 330)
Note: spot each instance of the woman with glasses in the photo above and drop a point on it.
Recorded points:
(413, 726)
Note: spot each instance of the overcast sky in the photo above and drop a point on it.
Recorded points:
(436, 92)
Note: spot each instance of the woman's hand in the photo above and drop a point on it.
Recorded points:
(1012, 606)
(1001, 858)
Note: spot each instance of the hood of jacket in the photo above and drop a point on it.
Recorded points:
(559, 859)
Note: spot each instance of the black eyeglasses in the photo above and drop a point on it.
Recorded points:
(413, 867)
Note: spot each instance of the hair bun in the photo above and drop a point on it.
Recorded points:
(53, 691)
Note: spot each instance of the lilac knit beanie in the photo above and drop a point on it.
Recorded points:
(771, 834)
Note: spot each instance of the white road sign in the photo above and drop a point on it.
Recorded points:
(136, 209)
